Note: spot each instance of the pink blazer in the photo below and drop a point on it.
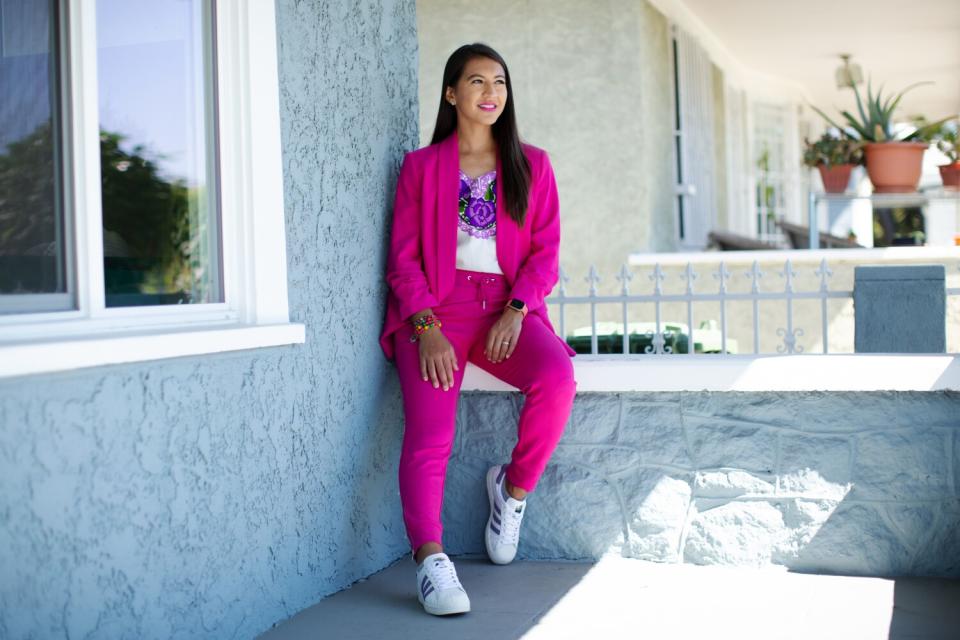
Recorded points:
(423, 248)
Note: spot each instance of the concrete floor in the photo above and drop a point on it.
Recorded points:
(622, 598)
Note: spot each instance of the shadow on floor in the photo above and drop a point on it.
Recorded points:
(927, 608)
(506, 602)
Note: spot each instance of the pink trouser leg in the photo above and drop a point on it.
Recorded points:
(429, 428)
(542, 370)
(539, 367)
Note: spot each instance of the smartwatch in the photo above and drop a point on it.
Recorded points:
(518, 305)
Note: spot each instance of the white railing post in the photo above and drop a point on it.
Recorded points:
(824, 272)
(657, 341)
(625, 277)
(593, 278)
(789, 334)
(755, 273)
(723, 275)
(689, 275)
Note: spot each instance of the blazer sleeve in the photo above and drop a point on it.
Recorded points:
(405, 274)
(539, 271)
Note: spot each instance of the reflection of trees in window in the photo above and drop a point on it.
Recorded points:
(147, 240)
(28, 217)
(151, 230)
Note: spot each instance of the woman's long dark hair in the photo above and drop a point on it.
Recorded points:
(515, 168)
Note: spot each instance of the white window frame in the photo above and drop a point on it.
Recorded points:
(255, 310)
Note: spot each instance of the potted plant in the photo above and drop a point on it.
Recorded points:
(835, 156)
(894, 160)
(947, 142)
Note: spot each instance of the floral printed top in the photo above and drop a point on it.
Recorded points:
(477, 224)
(478, 205)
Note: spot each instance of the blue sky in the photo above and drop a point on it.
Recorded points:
(149, 56)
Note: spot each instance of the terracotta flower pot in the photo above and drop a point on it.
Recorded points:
(835, 178)
(950, 174)
(895, 167)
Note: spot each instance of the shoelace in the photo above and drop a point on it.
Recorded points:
(444, 575)
(510, 529)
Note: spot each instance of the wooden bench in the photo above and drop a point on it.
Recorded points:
(799, 237)
(726, 241)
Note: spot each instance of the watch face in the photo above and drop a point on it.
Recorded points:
(517, 304)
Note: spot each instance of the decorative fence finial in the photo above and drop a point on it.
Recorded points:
(722, 274)
(689, 275)
(657, 277)
(593, 278)
(755, 274)
(625, 277)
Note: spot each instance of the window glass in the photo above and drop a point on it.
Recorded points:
(34, 265)
(161, 238)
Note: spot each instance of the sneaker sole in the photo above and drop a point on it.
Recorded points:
(434, 611)
(491, 488)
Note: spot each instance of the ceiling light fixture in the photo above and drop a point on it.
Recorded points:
(848, 75)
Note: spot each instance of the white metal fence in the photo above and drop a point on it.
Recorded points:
(719, 292)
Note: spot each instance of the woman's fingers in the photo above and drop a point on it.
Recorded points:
(438, 361)
(493, 338)
(497, 338)
(432, 372)
(512, 346)
(443, 371)
(448, 362)
(501, 341)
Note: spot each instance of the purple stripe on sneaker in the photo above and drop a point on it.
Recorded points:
(503, 471)
(429, 591)
(426, 588)
(423, 583)
(494, 529)
(497, 520)
(496, 508)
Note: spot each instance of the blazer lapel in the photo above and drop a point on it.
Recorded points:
(448, 173)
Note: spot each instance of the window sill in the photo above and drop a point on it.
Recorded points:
(841, 372)
(55, 355)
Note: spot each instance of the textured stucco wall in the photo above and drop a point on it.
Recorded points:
(593, 85)
(212, 497)
(852, 483)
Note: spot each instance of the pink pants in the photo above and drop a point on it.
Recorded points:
(539, 367)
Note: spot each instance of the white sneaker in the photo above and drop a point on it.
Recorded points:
(438, 588)
(502, 534)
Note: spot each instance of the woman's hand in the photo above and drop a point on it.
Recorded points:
(438, 360)
(502, 339)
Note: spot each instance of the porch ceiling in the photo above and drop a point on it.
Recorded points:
(896, 42)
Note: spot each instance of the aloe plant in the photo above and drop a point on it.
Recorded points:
(876, 118)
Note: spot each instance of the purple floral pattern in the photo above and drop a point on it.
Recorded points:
(478, 205)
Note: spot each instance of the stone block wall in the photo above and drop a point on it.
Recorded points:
(849, 483)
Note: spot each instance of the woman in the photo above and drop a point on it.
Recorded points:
(474, 251)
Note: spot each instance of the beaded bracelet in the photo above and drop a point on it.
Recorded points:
(424, 324)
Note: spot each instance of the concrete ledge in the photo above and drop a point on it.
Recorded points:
(845, 372)
(860, 483)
